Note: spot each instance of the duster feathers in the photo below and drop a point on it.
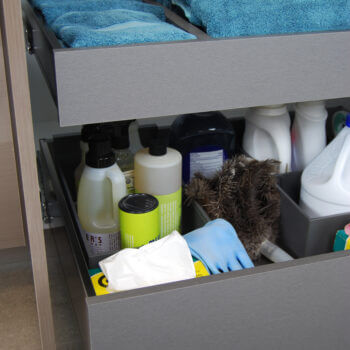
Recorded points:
(244, 192)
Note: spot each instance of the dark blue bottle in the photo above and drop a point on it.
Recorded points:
(205, 141)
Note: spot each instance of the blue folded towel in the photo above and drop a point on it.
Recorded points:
(54, 9)
(229, 18)
(119, 34)
(166, 3)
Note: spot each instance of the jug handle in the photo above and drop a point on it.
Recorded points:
(341, 165)
(118, 189)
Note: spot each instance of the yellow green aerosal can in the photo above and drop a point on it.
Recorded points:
(139, 220)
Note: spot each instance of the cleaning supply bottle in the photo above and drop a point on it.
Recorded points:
(325, 182)
(308, 133)
(158, 172)
(205, 141)
(123, 155)
(101, 186)
(267, 134)
(87, 132)
(134, 137)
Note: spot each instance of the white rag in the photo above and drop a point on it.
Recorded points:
(166, 260)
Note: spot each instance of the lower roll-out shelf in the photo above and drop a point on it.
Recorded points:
(300, 304)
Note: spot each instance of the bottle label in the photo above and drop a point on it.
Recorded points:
(206, 163)
(129, 179)
(102, 243)
(170, 212)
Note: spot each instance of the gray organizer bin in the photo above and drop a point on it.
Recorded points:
(300, 234)
(297, 304)
(92, 85)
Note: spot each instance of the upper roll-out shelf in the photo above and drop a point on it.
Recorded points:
(157, 79)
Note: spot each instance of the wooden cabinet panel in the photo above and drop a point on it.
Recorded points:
(11, 224)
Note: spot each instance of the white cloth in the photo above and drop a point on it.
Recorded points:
(166, 260)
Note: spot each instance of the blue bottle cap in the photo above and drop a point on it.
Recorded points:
(347, 123)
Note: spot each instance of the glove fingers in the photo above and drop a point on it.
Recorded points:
(223, 268)
(213, 269)
(234, 265)
(244, 259)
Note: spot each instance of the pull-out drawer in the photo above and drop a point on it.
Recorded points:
(301, 304)
(158, 79)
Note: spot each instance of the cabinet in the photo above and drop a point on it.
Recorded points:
(298, 300)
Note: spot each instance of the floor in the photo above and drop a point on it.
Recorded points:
(18, 319)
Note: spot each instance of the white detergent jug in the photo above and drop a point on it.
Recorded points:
(267, 134)
(308, 133)
(325, 182)
(101, 186)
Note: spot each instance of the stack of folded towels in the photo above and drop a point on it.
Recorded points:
(229, 18)
(91, 23)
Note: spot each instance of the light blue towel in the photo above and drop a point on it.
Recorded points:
(229, 18)
(119, 34)
(54, 9)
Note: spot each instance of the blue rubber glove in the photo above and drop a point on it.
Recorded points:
(218, 247)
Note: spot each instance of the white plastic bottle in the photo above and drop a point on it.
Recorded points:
(267, 134)
(102, 185)
(325, 182)
(158, 171)
(308, 133)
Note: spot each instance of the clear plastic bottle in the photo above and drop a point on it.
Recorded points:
(123, 155)
(102, 185)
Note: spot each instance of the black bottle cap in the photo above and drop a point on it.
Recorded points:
(158, 147)
(100, 153)
(138, 203)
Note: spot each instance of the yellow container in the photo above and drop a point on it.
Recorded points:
(139, 220)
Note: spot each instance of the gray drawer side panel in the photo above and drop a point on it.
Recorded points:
(301, 307)
(105, 84)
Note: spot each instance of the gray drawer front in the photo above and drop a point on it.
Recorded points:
(302, 306)
(152, 80)
(167, 79)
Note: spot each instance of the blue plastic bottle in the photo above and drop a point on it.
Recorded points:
(205, 141)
